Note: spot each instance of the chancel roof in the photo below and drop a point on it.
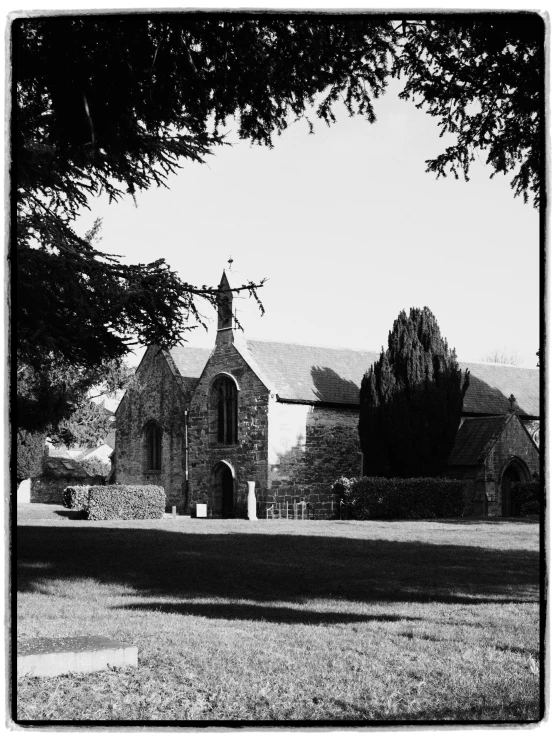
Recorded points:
(313, 374)
(475, 439)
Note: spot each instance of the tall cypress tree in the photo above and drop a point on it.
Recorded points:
(411, 401)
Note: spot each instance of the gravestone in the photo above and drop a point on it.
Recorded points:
(48, 657)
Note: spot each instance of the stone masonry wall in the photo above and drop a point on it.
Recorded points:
(47, 490)
(309, 448)
(513, 443)
(156, 396)
(248, 457)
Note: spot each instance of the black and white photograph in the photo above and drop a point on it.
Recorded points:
(276, 303)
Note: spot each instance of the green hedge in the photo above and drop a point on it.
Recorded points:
(106, 502)
(76, 497)
(365, 498)
(527, 498)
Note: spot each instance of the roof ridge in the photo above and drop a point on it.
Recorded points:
(352, 349)
(314, 346)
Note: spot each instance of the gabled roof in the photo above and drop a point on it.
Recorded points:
(475, 439)
(64, 467)
(312, 374)
(189, 362)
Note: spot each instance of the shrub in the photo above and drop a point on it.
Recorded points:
(388, 498)
(107, 502)
(527, 498)
(30, 451)
(96, 467)
(76, 497)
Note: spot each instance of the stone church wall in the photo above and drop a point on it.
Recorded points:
(309, 448)
(514, 442)
(248, 458)
(156, 396)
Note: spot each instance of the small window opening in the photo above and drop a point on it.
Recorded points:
(153, 447)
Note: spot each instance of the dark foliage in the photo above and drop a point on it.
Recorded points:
(88, 426)
(54, 397)
(76, 497)
(117, 103)
(366, 498)
(482, 77)
(411, 401)
(96, 467)
(107, 502)
(30, 452)
(527, 498)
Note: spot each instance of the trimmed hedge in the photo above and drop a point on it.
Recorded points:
(106, 502)
(76, 497)
(366, 498)
(527, 498)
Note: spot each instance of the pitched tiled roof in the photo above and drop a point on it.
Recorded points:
(311, 374)
(189, 362)
(491, 385)
(475, 439)
(65, 468)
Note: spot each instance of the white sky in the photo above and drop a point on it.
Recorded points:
(349, 230)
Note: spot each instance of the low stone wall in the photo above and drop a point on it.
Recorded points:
(47, 491)
(320, 499)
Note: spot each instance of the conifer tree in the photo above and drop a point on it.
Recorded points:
(30, 450)
(411, 401)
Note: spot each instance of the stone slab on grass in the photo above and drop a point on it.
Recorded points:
(49, 657)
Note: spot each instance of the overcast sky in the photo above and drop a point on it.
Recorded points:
(349, 229)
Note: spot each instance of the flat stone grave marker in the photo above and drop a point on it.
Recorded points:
(43, 657)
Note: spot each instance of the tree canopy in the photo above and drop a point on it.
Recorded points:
(116, 103)
(482, 77)
(411, 401)
(30, 451)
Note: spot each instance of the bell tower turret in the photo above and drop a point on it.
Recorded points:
(224, 305)
(226, 328)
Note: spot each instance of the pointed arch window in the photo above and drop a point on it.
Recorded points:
(224, 403)
(152, 447)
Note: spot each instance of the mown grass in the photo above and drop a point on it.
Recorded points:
(285, 621)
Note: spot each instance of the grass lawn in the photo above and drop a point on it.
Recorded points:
(285, 621)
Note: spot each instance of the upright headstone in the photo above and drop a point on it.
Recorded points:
(251, 501)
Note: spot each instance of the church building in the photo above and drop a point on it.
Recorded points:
(202, 423)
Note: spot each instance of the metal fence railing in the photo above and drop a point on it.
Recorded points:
(295, 510)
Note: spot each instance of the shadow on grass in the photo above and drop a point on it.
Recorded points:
(71, 515)
(261, 612)
(485, 520)
(265, 568)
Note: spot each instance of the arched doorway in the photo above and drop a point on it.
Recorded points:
(516, 471)
(224, 490)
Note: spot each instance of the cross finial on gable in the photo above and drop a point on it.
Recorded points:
(512, 402)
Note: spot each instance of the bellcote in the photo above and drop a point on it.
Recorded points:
(224, 305)
(226, 330)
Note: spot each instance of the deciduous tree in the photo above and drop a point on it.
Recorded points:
(503, 356)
